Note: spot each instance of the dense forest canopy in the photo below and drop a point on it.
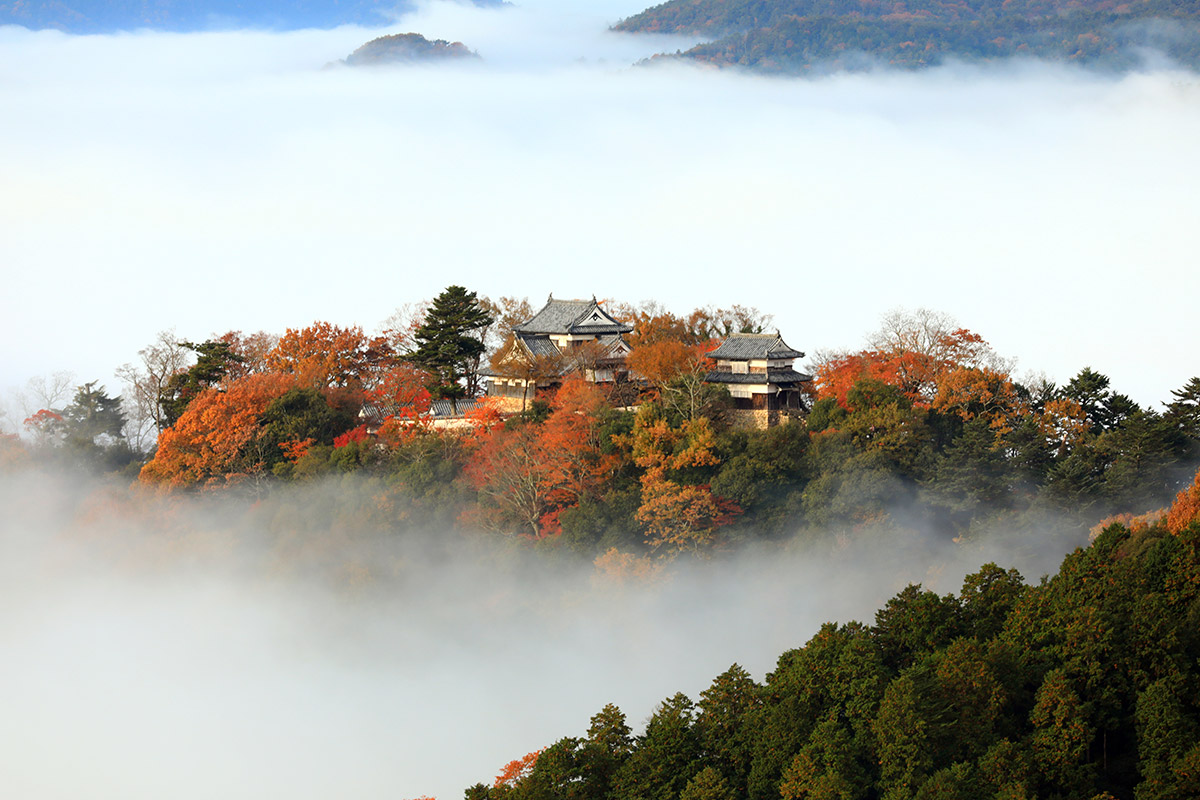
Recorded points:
(806, 35)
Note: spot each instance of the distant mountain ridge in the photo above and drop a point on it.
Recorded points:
(98, 16)
(803, 35)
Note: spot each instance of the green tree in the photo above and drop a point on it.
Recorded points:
(213, 361)
(300, 415)
(666, 755)
(93, 418)
(1165, 731)
(1061, 736)
(449, 343)
(915, 623)
(725, 710)
(92, 430)
(707, 784)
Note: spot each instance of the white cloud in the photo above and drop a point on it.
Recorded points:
(216, 181)
(192, 647)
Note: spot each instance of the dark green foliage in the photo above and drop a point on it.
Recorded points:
(973, 476)
(213, 361)
(92, 431)
(726, 709)
(1086, 686)
(449, 345)
(665, 758)
(295, 416)
(915, 623)
(597, 524)
(825, 414)
(708, 784)
(987, 598)
(763, 472)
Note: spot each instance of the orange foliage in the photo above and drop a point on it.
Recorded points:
(401, 397)
(1062, 422)
(676, 515)
(1186, 508)
(913, 354)
(518, 769)
(1136, 523)
(837, 376)
(210, 438)
(327, 355)
(618, 567)
(971, 392)
(296, 449)
(529, 473)
(661, 361)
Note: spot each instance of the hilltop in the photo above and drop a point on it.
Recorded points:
(399, 48)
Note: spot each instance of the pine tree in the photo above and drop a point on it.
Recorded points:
(449, 344)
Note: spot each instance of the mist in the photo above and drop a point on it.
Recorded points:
(202, 646)
(215, 181)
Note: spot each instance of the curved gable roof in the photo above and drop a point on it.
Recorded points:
(572, 316)
(747, 346)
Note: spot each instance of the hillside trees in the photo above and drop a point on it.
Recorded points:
(1083, 686)
(211, 441)
(212, 363)
(531, 472)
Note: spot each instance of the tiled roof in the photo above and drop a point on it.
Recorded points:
(779, 377)
(571, 316)
(538, 346)
(443, 408)
(745, 346)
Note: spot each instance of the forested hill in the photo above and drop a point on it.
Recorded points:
(1082, 687)
(106, 16)
(408, 48)
(807, 35)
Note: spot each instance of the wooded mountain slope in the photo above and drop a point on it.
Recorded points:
(1082, 687)
(806, 35)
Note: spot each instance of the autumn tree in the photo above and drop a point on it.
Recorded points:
(449, 344)
(911, 351)
(675, 514)
(527, 473)
(209, 441)
(250, 351)
(1186, 508)
(326, 355)
(506, 313)
(213, 360)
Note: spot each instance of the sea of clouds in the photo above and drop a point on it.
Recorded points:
(204, 646)
(215, 181)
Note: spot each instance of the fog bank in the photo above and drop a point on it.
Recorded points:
(191, 648)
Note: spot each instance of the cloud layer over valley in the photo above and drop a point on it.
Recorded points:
(198, 647)
(222, 181)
